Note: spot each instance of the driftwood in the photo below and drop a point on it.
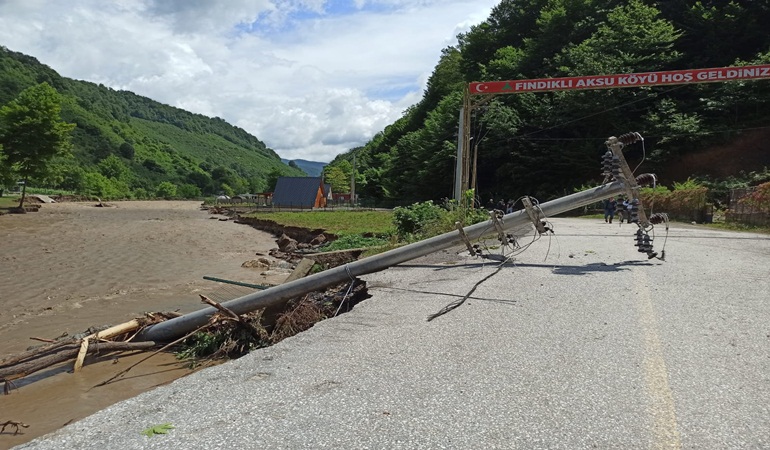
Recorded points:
(64, 353)
(231, 315)
(165, 347)
(13, 424)
(226, 311)
(36, 352)
(111, 332)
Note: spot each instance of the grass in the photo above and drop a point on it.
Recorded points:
(340, 223)
(45, 191)
(9, 201)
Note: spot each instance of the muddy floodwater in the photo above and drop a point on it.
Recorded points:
(72, 266)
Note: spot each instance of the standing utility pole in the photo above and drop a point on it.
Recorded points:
(353, 183)
(465, 174)
(463, 143)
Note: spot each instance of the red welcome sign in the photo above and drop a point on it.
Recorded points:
(622, 80)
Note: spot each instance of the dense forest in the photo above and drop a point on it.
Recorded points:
(542, 144)
(549, 144)
(128, 146)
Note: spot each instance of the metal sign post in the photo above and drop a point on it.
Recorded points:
(489, 89)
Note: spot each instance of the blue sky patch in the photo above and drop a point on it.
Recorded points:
(395, 89)
(265, 26)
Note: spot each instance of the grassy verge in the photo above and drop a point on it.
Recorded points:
(341, 223)
(373, 230)
(7, 202)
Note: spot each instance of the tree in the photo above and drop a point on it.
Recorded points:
(166, 189)
(127, 150)
(32, 132)
(337, 178)
(272, 179)
(113, 167)
(6, 177)
(189, 191)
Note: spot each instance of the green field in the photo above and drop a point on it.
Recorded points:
(9, 201)
(340, 223)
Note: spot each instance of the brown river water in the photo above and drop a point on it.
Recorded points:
(71, 266)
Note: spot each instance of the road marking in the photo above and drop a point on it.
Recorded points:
(662, 409)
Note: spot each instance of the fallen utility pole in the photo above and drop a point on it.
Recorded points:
(179, 326)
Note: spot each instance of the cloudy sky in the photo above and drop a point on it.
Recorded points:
(310, 78)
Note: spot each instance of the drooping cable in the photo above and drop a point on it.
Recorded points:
(459, 303)
(350, 288)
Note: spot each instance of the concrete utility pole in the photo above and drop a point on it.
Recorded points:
(353, 183)
(174, 328)
(460, 153)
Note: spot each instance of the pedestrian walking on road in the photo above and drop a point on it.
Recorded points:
(624, 211)
(609, 209)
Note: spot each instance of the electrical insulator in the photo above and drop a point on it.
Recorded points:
(639, 238)
(634, 211)
(630, 138)
(647, 243)
(658, 218)
(647, 179)
(607, 164)
(616, 167)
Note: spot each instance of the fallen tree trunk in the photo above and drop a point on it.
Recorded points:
(36, 352)
(111, 332)
(65, 353)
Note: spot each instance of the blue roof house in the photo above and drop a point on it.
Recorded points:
(299, 192)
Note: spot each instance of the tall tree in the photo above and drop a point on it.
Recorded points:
(337, 178)
(32, 132)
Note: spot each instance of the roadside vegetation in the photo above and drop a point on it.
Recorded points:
(342, 222)
(379, 230)
(7, 202)
(707, 201)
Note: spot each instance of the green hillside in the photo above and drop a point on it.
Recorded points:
(548, 144)
(125, 145)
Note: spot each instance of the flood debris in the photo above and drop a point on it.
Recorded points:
(75, 348)
(15, 425)
(230, 335)
(226, 335)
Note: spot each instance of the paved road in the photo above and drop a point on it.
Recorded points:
(593, 347)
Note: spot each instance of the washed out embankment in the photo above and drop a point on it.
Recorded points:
(72, 266)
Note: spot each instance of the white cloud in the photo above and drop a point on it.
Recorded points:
(310, 78)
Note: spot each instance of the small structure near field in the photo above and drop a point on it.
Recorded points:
(299, 192)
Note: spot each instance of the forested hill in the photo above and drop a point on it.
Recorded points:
(547, 144)
(126, 145)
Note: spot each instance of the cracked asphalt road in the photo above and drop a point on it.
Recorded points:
(580, 342)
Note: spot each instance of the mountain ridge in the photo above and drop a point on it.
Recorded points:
(125, 145)
(312, 168)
